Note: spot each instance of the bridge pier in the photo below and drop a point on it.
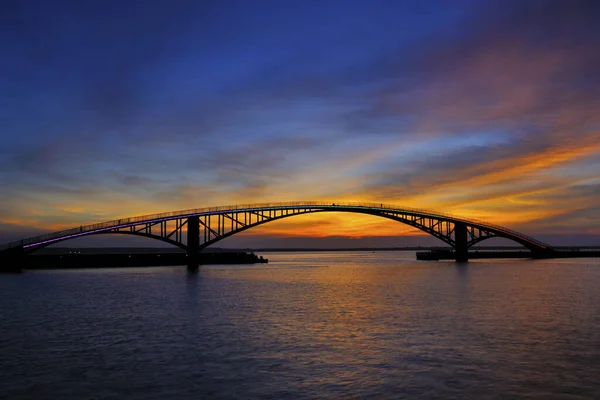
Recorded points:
(193, 243)
(461, 249)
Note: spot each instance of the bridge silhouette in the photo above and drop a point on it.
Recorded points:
(195, 229)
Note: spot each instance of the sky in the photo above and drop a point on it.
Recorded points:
(484, 109)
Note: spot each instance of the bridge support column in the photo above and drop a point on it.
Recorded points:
(460, 239)
(193, 243)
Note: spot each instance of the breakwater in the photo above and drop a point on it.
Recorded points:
(473, 255)
(79, 260)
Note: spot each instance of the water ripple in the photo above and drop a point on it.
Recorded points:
(340, 325)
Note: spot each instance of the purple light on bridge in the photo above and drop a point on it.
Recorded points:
(321, 206)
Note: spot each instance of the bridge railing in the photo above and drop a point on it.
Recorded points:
(102, 226)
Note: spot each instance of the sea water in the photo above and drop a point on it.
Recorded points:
(351, 325)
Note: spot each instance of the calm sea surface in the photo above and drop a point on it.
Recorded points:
(343, 325)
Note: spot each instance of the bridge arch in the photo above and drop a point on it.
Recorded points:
(196, 229)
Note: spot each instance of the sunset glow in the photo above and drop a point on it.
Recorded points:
(488, 110)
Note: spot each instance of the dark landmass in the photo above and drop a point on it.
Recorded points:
(81, 260)
(436, 255)
(68, 258)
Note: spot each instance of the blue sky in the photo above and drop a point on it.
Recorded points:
(487, 109)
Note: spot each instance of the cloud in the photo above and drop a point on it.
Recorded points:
(490, 110)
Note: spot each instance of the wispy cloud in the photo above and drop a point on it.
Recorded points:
(488, 109)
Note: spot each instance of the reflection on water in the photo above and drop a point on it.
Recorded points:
(308, 325)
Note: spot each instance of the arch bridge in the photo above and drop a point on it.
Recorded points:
(196, 229)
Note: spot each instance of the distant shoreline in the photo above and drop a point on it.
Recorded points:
(175, 250)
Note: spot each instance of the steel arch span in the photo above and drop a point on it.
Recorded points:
(196, 229)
